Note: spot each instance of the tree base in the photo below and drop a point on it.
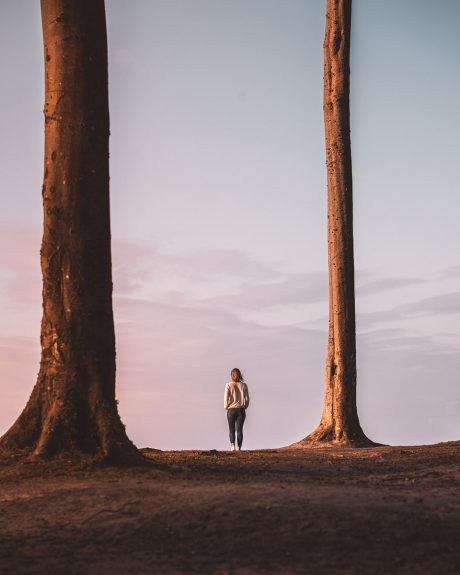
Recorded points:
(115, 458)
(327, 436)
(69, 431)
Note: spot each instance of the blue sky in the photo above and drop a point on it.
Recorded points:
(219, 214)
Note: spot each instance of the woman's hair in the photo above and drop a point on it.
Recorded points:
(238, 373)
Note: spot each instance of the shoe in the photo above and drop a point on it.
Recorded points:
(238, 448)
(232, 447)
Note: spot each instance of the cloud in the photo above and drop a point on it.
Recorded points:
(213, 277)
(381, 284)
(293, 290)
(300, 289)
(451, 273)
(137, 268)
(443, 304)
(447, 303)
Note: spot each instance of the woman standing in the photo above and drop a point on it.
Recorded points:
(236, 400)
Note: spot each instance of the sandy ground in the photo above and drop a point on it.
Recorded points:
(392, 510)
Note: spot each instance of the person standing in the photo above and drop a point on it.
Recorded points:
(236, 401)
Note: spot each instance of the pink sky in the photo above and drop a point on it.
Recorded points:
(219, 215)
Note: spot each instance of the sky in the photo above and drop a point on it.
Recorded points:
(218, 204)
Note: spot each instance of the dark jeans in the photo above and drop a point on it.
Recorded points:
(235, 418)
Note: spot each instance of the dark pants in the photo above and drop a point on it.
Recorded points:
(235, 418)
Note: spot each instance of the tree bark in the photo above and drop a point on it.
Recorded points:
(72, 407)
(339, 422)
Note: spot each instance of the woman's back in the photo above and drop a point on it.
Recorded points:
(236, 395)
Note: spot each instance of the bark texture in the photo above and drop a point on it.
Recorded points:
(72, 406)
(339, 421)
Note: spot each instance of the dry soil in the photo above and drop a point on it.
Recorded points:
(385, 510)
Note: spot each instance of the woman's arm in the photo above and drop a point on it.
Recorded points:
(226, 396)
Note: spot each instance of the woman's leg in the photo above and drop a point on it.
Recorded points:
(231, 417)
(239, 426)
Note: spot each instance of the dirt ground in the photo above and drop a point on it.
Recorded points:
(386, 510)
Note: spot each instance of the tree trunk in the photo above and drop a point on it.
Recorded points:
(339, 421)
(72, 407)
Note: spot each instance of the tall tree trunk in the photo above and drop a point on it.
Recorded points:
(339, 421)
(72, 407)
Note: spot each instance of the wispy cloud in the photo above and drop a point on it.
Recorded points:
(442, 304)
(292, 290)
(381, 284)
(452, 272)
(196, 272)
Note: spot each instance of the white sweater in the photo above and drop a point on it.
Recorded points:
(236, 395)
